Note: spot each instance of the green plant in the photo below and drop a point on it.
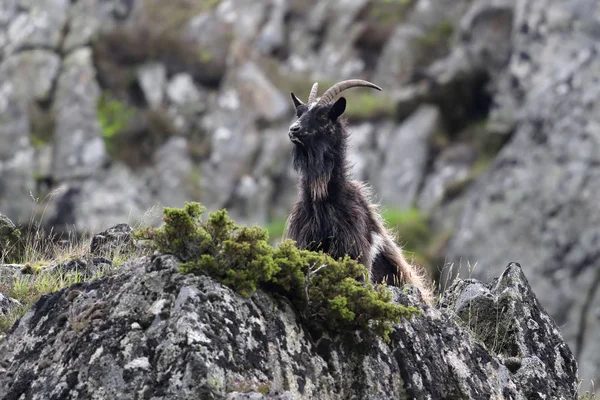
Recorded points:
(27, 289)
(589, 394)
(114, 117)
(332, 294)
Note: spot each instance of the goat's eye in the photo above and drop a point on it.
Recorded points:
(323, 117)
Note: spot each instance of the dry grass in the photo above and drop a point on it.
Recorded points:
(41, 250)
(589, 394)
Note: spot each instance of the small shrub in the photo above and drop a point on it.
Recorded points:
(329, 294)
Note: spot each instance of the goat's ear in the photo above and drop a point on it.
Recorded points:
(337, 109)
(297, 101)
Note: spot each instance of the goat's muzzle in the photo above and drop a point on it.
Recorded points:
(293, 133)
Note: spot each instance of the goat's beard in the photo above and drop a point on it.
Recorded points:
(313, 161)
(315, 165)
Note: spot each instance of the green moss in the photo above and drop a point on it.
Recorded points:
(365, 105)
(389, 12)
(362, 103)
(174, 14)
(434, 43)
(114, 117)
(42, 123)
(330, 294)
(264, 388)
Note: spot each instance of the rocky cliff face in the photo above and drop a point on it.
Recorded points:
(123, 105)
(487, 123)
(538, 199)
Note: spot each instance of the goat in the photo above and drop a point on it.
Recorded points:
(334, 213)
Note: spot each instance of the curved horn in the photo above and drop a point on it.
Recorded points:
(313, 93)
(338, 88)
(297, 101)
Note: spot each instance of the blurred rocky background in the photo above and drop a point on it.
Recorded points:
(483, 148)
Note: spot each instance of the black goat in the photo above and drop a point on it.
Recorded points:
(333, 212)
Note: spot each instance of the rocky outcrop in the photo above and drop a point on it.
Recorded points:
(150, 331)
(538, 199)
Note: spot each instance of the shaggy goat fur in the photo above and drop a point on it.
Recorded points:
(333, 212)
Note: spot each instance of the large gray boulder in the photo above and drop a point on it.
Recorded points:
(150, 331)
(31, 23)
(79, 148)
(539, 200)
(406, 156)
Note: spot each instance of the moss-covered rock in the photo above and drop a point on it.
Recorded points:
(328, 293)
(10, 244)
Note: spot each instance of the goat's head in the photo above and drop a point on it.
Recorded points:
(318, 118)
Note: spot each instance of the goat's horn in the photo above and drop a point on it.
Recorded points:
(338, 88)
(297, 101)
(313, 93)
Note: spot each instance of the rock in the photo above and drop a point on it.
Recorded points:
(452, 167)
(7, 228)
(245, 16)
(32, 73)
(272, 36)
(209, 36)
(6, 303)
(82, 268)
(35, 24)
(17, 183)
(257, 93)
(152, 78)
(10, 272)
(398, 58)
(79, 149)
(181, 90)
(234, 143)
(88, 18)
(507, 317)
(337, 56)
(24, 78)
(116, 240)
(362, 153)
(250, 201)
(114, 195)
(9, 235)
(406, 156)
(487, 28)
(14, 122)
(151, 331)
(538, 200)
(173, 170)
